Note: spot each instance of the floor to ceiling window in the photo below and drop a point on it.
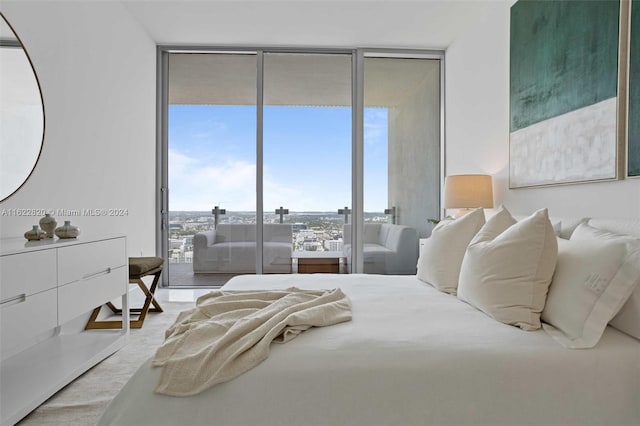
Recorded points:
(307, 154)
(401, 159)
(296, 161)
(211, 166)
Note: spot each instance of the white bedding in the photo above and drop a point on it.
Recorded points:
(411, 356)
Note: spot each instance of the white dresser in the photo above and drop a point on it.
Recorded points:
(46, 289)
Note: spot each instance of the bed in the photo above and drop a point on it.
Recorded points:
(412, 355)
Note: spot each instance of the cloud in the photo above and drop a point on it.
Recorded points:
(208, 130)
(303, 194)
(180, 163)
(198, 182)
(376, 126)
(195, 184)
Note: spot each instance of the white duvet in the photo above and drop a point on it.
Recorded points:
(410, 356)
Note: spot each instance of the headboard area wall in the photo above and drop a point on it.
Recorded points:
(478, 127)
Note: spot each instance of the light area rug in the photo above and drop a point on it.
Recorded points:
(83, 401)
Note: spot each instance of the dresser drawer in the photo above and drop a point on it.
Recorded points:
(24, 319)
(86, 260)
(82, 296)
(27, 273)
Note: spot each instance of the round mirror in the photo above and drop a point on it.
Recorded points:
(21, 113)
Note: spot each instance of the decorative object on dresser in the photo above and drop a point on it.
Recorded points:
(467, 192)
(48, 224)
(46, 286)
(35, 234)
(67, 230)
(139, 267)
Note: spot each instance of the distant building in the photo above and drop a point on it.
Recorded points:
(311, 246)
(297, 227)
(197, 226)
(333, 245)
(187, 244)
(175, 243)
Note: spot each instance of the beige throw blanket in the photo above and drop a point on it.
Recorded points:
(229, 332)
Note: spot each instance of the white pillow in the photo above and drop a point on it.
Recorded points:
(441, 256)
(628, 319)
(556, 223)
(508, 267)
(593, 279)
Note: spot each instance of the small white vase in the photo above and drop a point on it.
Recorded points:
(35, 234)
(67, 230)
(48, 224)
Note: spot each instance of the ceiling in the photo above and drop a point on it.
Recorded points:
(415, 24)
(425, 24)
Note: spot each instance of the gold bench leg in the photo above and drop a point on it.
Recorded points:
(93, 324)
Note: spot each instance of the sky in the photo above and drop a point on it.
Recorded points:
(307, 158)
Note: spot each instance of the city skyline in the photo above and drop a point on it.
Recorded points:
(315, 231)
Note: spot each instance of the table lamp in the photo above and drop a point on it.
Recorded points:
(467, 192)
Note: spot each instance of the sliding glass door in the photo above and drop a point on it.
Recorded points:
(401, 159)
(284, 161)
(307, 157)
(211, 167)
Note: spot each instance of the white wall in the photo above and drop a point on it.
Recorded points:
(477, 126)
(97, 71)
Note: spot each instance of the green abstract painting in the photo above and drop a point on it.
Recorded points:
(633, 154)
(563, 88)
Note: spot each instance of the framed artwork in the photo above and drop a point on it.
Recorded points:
(563, 92)
(633, 139)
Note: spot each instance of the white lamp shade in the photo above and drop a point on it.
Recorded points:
(468, 191)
